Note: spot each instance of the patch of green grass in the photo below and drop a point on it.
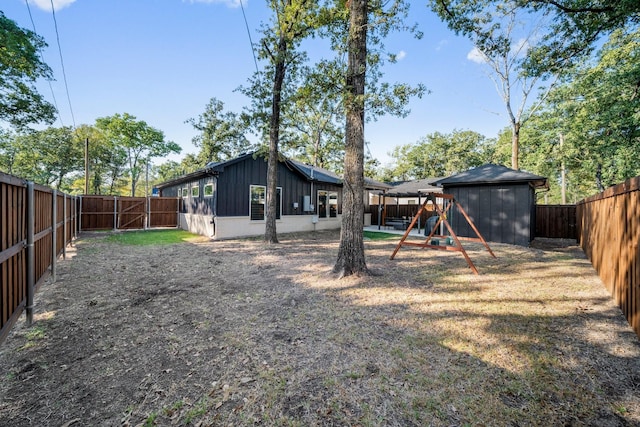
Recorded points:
(173, 408)
(152, 237)
(200, 408)
(622, 410)
(33, 335)
(375, 235)
(151, 420)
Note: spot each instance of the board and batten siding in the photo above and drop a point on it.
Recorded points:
(235, 180)
(502, 213)
(200, 205)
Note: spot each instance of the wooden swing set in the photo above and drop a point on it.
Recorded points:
(451, 242)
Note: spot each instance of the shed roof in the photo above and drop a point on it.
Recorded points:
(413, 188)
(492, 174)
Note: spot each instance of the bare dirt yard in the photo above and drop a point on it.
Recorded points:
(239, 333)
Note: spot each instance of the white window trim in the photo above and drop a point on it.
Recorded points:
(204, 193)
(327, 204)
(251, 186)
(195, 189)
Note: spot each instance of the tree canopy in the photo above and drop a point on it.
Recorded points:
(555, 34)
(439, 155)
(594, 112)
(222, 134)
(571, 31)
(140, 141)
(20, 67)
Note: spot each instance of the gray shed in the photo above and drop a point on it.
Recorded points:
(499, 200)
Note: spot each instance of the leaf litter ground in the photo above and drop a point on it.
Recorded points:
(241, 333)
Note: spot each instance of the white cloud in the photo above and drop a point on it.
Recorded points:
(475, 55)
(521, 47)
(46, 4)
(441, 44)
(401, 55)
(228, 3)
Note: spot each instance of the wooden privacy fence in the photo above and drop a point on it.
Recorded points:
(400, 211)
(36, 224)
(608, 232)
(120, 213)
(556, 221)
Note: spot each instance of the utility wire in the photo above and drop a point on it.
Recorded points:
(255, 61)
(53, 95)
(64, 74)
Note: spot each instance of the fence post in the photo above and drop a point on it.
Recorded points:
(115, 213)
(75, 217)
(54, 234)
(178, 213)
(30, 251)
(147, 223)
(64, 226)
(80, 215)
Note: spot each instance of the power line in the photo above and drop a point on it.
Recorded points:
(255, 61)
(64, 74)
(53, 95)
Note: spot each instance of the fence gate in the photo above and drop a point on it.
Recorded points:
(131, 213)
(127, 213)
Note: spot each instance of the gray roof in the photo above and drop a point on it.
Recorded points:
(311, 173)
(314, 173)
(412, 188)
(492, 174)
(372, 184)
(188, 177)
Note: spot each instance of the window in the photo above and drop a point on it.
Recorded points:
(327, 204)
(184, 192)
(258, 202)
(333, 204)
(208, 190)
(322, 204)
(195, 191)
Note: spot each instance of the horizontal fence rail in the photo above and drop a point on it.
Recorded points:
(609, 233)
(126, 213)
(556, 221)
(36, 225)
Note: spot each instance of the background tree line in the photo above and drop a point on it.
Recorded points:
(120, 149)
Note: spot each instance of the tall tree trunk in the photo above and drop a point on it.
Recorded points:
(563, 175)
(515, 144)
(351, 259)
(270, 235)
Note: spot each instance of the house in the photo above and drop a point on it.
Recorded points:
(228, 199)
(499, 200)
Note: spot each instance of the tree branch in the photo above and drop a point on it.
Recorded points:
(567, 9)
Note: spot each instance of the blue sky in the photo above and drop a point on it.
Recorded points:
(162, 61)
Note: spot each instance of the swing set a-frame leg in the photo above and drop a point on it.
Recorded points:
(473, 226)
(406, 233)
(459, 246)
(443, 219)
